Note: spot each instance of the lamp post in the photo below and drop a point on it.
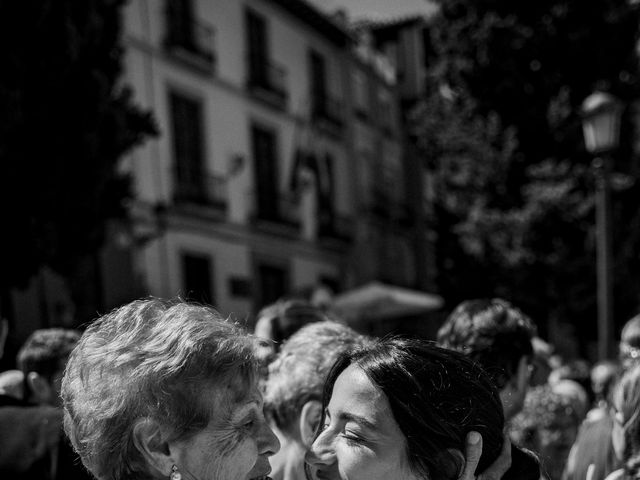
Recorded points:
(601, 127)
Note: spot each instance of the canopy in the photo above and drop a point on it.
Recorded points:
(376, 300)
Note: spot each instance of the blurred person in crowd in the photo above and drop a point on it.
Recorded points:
(604, 376)
(278, 321)
(625, 434)
(541, 363)
(42, 360)
(629, 348)
(401, 409)
(498, 336)
(31, 429)
(593, 450)
(293, 390)
(12, 384)
(576, 370)
(575, 393)
(548, 424)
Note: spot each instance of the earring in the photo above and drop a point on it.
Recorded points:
(175, 474)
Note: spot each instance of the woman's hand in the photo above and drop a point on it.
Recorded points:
(473, 452)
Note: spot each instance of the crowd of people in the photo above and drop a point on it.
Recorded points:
(167, 389)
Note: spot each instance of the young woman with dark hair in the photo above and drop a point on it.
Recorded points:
(401, 409)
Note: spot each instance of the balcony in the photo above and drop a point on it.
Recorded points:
(267, 81)
(190, 42)
(340, 228)
(380, 202)
(204, 190)
(328, 109)
(278, 216)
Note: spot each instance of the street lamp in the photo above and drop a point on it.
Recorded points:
(601, 127)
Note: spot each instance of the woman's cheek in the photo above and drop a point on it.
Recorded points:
(355, 459)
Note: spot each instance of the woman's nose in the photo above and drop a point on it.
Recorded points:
(269, 442)
(321, 451)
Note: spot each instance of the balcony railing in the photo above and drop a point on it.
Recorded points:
(283, 210)
(209, 190)
(328, 108)
(341, 228)
(267, 78)
(191, 41)
(380, 201)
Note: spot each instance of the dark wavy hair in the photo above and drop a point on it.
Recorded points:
(437, 396)
(491, 331)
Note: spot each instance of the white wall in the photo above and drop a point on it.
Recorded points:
(229, 112)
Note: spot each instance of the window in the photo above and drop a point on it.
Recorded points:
(325, 193)
(361, 92)
(265, 78)
(188, 39)
(318, 77)
(257, 48)
(385, 108)
(186, 126)
(196, 276)
(266, 173)
(180, 23)
(273, 283)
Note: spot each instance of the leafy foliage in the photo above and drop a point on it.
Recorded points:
(519, 221)
(65, 121)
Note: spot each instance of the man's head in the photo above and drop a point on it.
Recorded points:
(630, 343)
(293, 390)
(275, 323)
(498, 336)
(604, 375)
(42, 360)
(278, 321)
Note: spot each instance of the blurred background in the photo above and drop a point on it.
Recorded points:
(385, 160)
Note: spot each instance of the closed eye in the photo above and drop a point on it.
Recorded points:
(353, 438)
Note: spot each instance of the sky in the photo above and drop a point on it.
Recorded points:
(375, 8)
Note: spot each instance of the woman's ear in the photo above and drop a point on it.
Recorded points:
(309, 419)
(151, 441)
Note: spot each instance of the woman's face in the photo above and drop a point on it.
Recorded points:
(360, 438)
(236, 443)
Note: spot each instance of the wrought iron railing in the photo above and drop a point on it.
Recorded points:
(193, 36)
(267, 75)
(327, 107)
(284, 209)
(193, 187)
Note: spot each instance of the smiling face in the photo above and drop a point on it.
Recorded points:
(360, 438)
(236, 443)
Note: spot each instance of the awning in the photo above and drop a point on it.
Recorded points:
(375, 301)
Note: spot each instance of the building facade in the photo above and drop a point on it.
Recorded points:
(270, 158)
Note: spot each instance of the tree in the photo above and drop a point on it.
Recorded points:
(528, 233)
(65, 122)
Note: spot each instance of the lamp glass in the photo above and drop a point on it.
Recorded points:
(601, 123)
(601, 132)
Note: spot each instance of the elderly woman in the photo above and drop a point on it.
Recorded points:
(401, 410)
(166, 390)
